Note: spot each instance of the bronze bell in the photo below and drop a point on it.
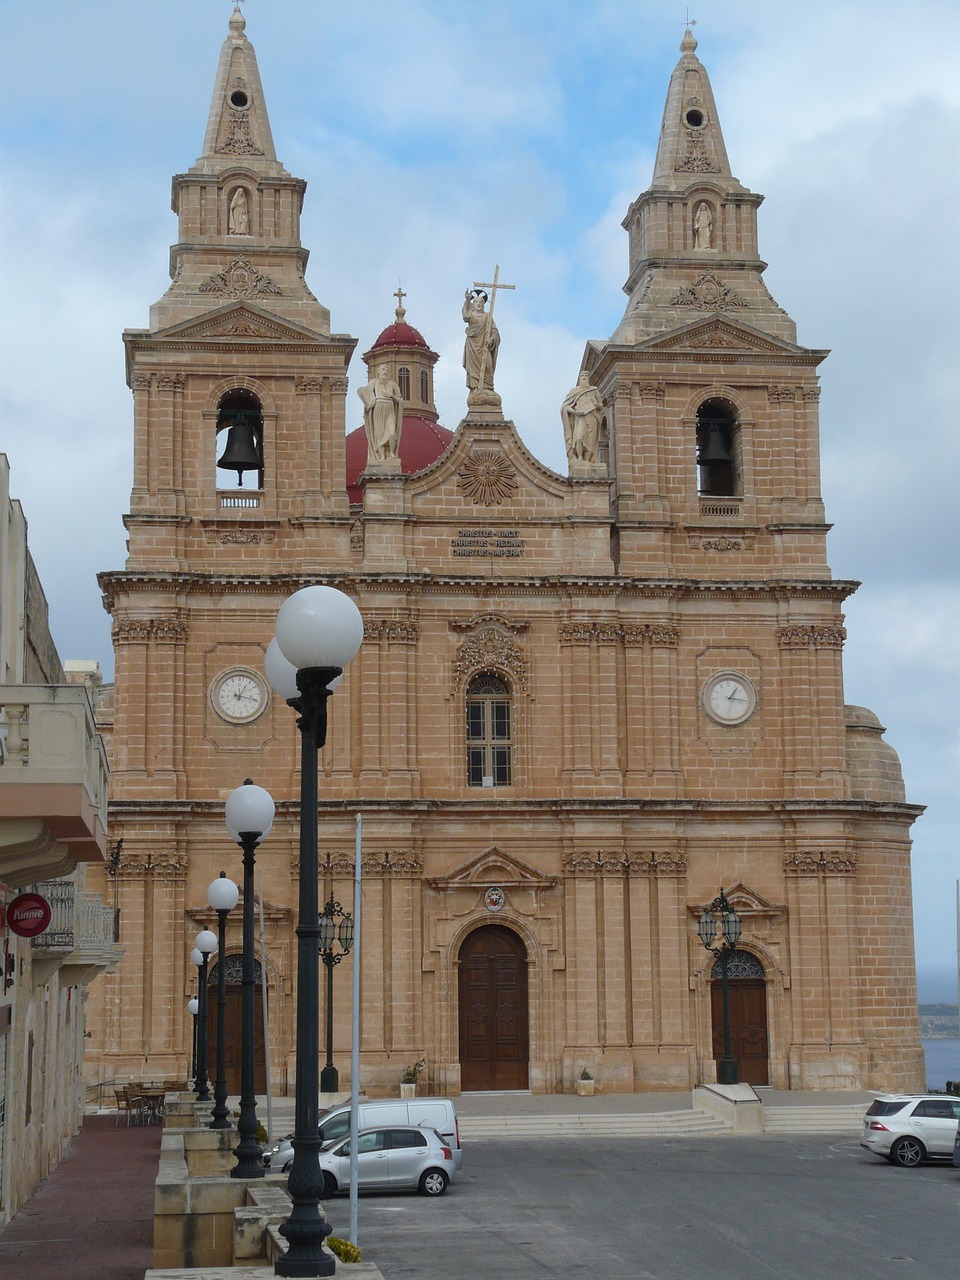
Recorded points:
(241, 452)
(714, 447)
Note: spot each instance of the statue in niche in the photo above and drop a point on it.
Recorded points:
(239, 222)
(382, 416)
(482, 342)
(580, 413)
(703, 227)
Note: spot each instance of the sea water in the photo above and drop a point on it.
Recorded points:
(943, 1062)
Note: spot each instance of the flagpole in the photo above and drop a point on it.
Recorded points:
(355, 1038)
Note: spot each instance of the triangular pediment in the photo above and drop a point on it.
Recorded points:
(716, 335)
(239, 322)
(494, 868)
(490, 466)
(746, 902)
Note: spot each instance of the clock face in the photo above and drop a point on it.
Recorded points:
(238, 696)
(729, 698)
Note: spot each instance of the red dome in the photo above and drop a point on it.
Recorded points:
(421, 443)
(400, 335)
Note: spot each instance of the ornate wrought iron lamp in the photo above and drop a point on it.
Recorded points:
(727, 1070)
(342, 934)
(249, 816)
(319, 630)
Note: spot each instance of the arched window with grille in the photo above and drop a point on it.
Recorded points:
(718, 449)
(403, 377)
(489, 732)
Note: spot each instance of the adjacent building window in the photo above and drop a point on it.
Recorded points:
(718, 471)
(403, 377)
(489, 732)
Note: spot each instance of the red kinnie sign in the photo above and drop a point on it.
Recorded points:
(28, 915)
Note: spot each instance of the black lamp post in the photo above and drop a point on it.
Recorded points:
(193, 1008)
(206, 942)
(319, 630)
(727, 1071)
(342, 933)
(222, 895)
(249, 816)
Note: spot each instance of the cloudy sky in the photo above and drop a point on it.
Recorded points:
(440, 139)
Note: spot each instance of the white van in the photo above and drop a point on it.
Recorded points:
(433, 1113)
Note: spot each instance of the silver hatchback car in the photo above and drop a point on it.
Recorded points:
(390, 1158)
(907, 1129)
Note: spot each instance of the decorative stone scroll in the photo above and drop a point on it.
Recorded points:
(143, 629)
(695, 158)
(722, 544)
(339, 386)
(708, 293)
(140, 382)
(661, 634)
(490, 650)
(811, 393)
(487, 478)
(782, 395)
(651, 390)
(170, 382)
(308, 386)
(811, 637)
(240, 279)
(607, 862)
(516, 625)
(390, 629)
(240, 537)
(812, 862)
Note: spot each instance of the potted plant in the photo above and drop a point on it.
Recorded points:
(409, 1077)
(586, 1085)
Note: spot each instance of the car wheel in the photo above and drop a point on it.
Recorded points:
(329, 1186)
(433, 1182)
(907, 1152)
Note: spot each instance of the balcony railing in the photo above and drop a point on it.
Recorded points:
(82, 927)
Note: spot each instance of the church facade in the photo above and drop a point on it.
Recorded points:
(584, 703)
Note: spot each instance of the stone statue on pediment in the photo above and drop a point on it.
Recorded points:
(382, 416)
(482, 341)
(239, 220)
(581, 413)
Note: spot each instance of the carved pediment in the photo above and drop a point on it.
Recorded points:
(720, 335)
(747, 903)
(236, 324)
(491, 868)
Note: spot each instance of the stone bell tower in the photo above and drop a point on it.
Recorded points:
(239, 423)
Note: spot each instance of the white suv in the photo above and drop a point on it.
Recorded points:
(908, 1128)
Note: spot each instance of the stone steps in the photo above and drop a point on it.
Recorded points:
(624, 1125)
(844, 1118)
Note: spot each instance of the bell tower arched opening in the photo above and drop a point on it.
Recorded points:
(718, 444)
(240, 417)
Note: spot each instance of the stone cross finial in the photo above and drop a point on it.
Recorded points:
(401, 310)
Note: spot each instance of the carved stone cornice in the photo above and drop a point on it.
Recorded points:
(140, 382)
(664, 635)
(170, 382)
(813, 862)
(489, 650)
(133, 630)
(390, 629)
(782, 395)
(606, 862)
(339, 386)
(811, 393)
(385, 863)
(805, 636)
(308, 386)
(135, 866)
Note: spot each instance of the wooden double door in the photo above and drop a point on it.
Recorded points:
(232, 1039)
(494, 1026)
(748, 1027)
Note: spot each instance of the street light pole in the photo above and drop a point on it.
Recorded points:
(332, 911)
(222, 895)
(206, 942)
(727, 1069)
(319, 630)
(193, 1008)
(248, 814)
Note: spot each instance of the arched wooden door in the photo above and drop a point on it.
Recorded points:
(494, 1030)
(748, 1016)
(232, 1028)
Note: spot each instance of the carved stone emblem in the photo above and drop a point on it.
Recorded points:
(708, 293)
(490, 650)
(240, 280)
(487, 478)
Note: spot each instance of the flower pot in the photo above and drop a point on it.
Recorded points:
(408, 1090)
(585, 1088)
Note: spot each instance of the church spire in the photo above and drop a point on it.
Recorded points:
(691, 141)
(238, 127)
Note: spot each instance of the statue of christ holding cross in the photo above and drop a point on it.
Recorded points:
(482, 340)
